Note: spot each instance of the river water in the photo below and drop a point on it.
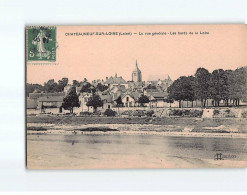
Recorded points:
(133, 151)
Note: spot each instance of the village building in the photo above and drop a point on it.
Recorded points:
(118, 88)
(97, 81)
(83, 99)
(51, 104)
(130, 99)
(160, 81)
(33, 100)
(107, 100)
(67, 88)
(115, 81)
(157, 99)
(136, 74)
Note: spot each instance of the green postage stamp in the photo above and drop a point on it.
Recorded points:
(41, 43)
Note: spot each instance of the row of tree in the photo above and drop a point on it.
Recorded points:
(51, 86)
(226, 85)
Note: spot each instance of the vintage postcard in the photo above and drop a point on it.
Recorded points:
(140, 96)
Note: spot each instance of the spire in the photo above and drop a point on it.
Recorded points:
(136, 68)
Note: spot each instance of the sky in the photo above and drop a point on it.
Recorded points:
(101, 56)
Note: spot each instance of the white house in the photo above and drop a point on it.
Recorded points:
(83, 99)
(130, 99)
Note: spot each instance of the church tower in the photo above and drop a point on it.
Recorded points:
(136, 74)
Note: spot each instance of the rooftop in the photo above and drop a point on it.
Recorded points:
(158, 77)
(51, 99)
(115, 80)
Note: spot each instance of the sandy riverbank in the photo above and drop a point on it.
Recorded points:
(191, 130)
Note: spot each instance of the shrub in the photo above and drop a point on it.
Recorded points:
(196, 113)
(85, 113)
(227, 111)
(216, 112)
(150, 113)
(109, 112)
(127, 112)
(186, 113)
(97, 113)
(244, 114)
(138, 113)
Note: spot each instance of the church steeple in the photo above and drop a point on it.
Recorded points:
(136, 74)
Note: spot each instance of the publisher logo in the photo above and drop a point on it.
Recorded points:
(220, 156)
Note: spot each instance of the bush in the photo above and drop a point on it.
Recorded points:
(216, 112)
(244, 114)
(109, 112)
(127, 112)
(228, 111)
(150, 113)
(186, 113)
(97, 113)
(196, 113)
(85, 113)
(138, 113)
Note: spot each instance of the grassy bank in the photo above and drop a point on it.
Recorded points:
(214, 122)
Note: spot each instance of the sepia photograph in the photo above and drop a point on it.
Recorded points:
(137, 96)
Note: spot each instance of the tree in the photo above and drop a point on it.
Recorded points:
(150, 86)
(75, 83)
(182, 89)
(237, 85)
(202, 85)
(101, 87)
(71, 100)
(62, 83)
(119, 102)
(85, 80)
(143, 99)
(30, 88)
(109, 112)
(219, 86)
(170, 99)
(51, 86)
(174, 91)
(95, 102)
(88, 88)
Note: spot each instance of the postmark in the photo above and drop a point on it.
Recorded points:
(41, 43)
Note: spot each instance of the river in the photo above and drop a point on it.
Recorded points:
(51, 151)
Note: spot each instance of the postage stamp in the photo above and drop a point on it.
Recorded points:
(41, 43)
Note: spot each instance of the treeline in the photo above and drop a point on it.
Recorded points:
(227, 85)
(51, 86)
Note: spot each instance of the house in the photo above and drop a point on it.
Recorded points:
(52, 103)
(147, 92)
(163, 81)
(115, 81)
(98, 81)
(83, 99)
(107, 101)
(129, 99)
(118, 88)
(42, 94)
(157, 99)
(67, 88)
(34, 98)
